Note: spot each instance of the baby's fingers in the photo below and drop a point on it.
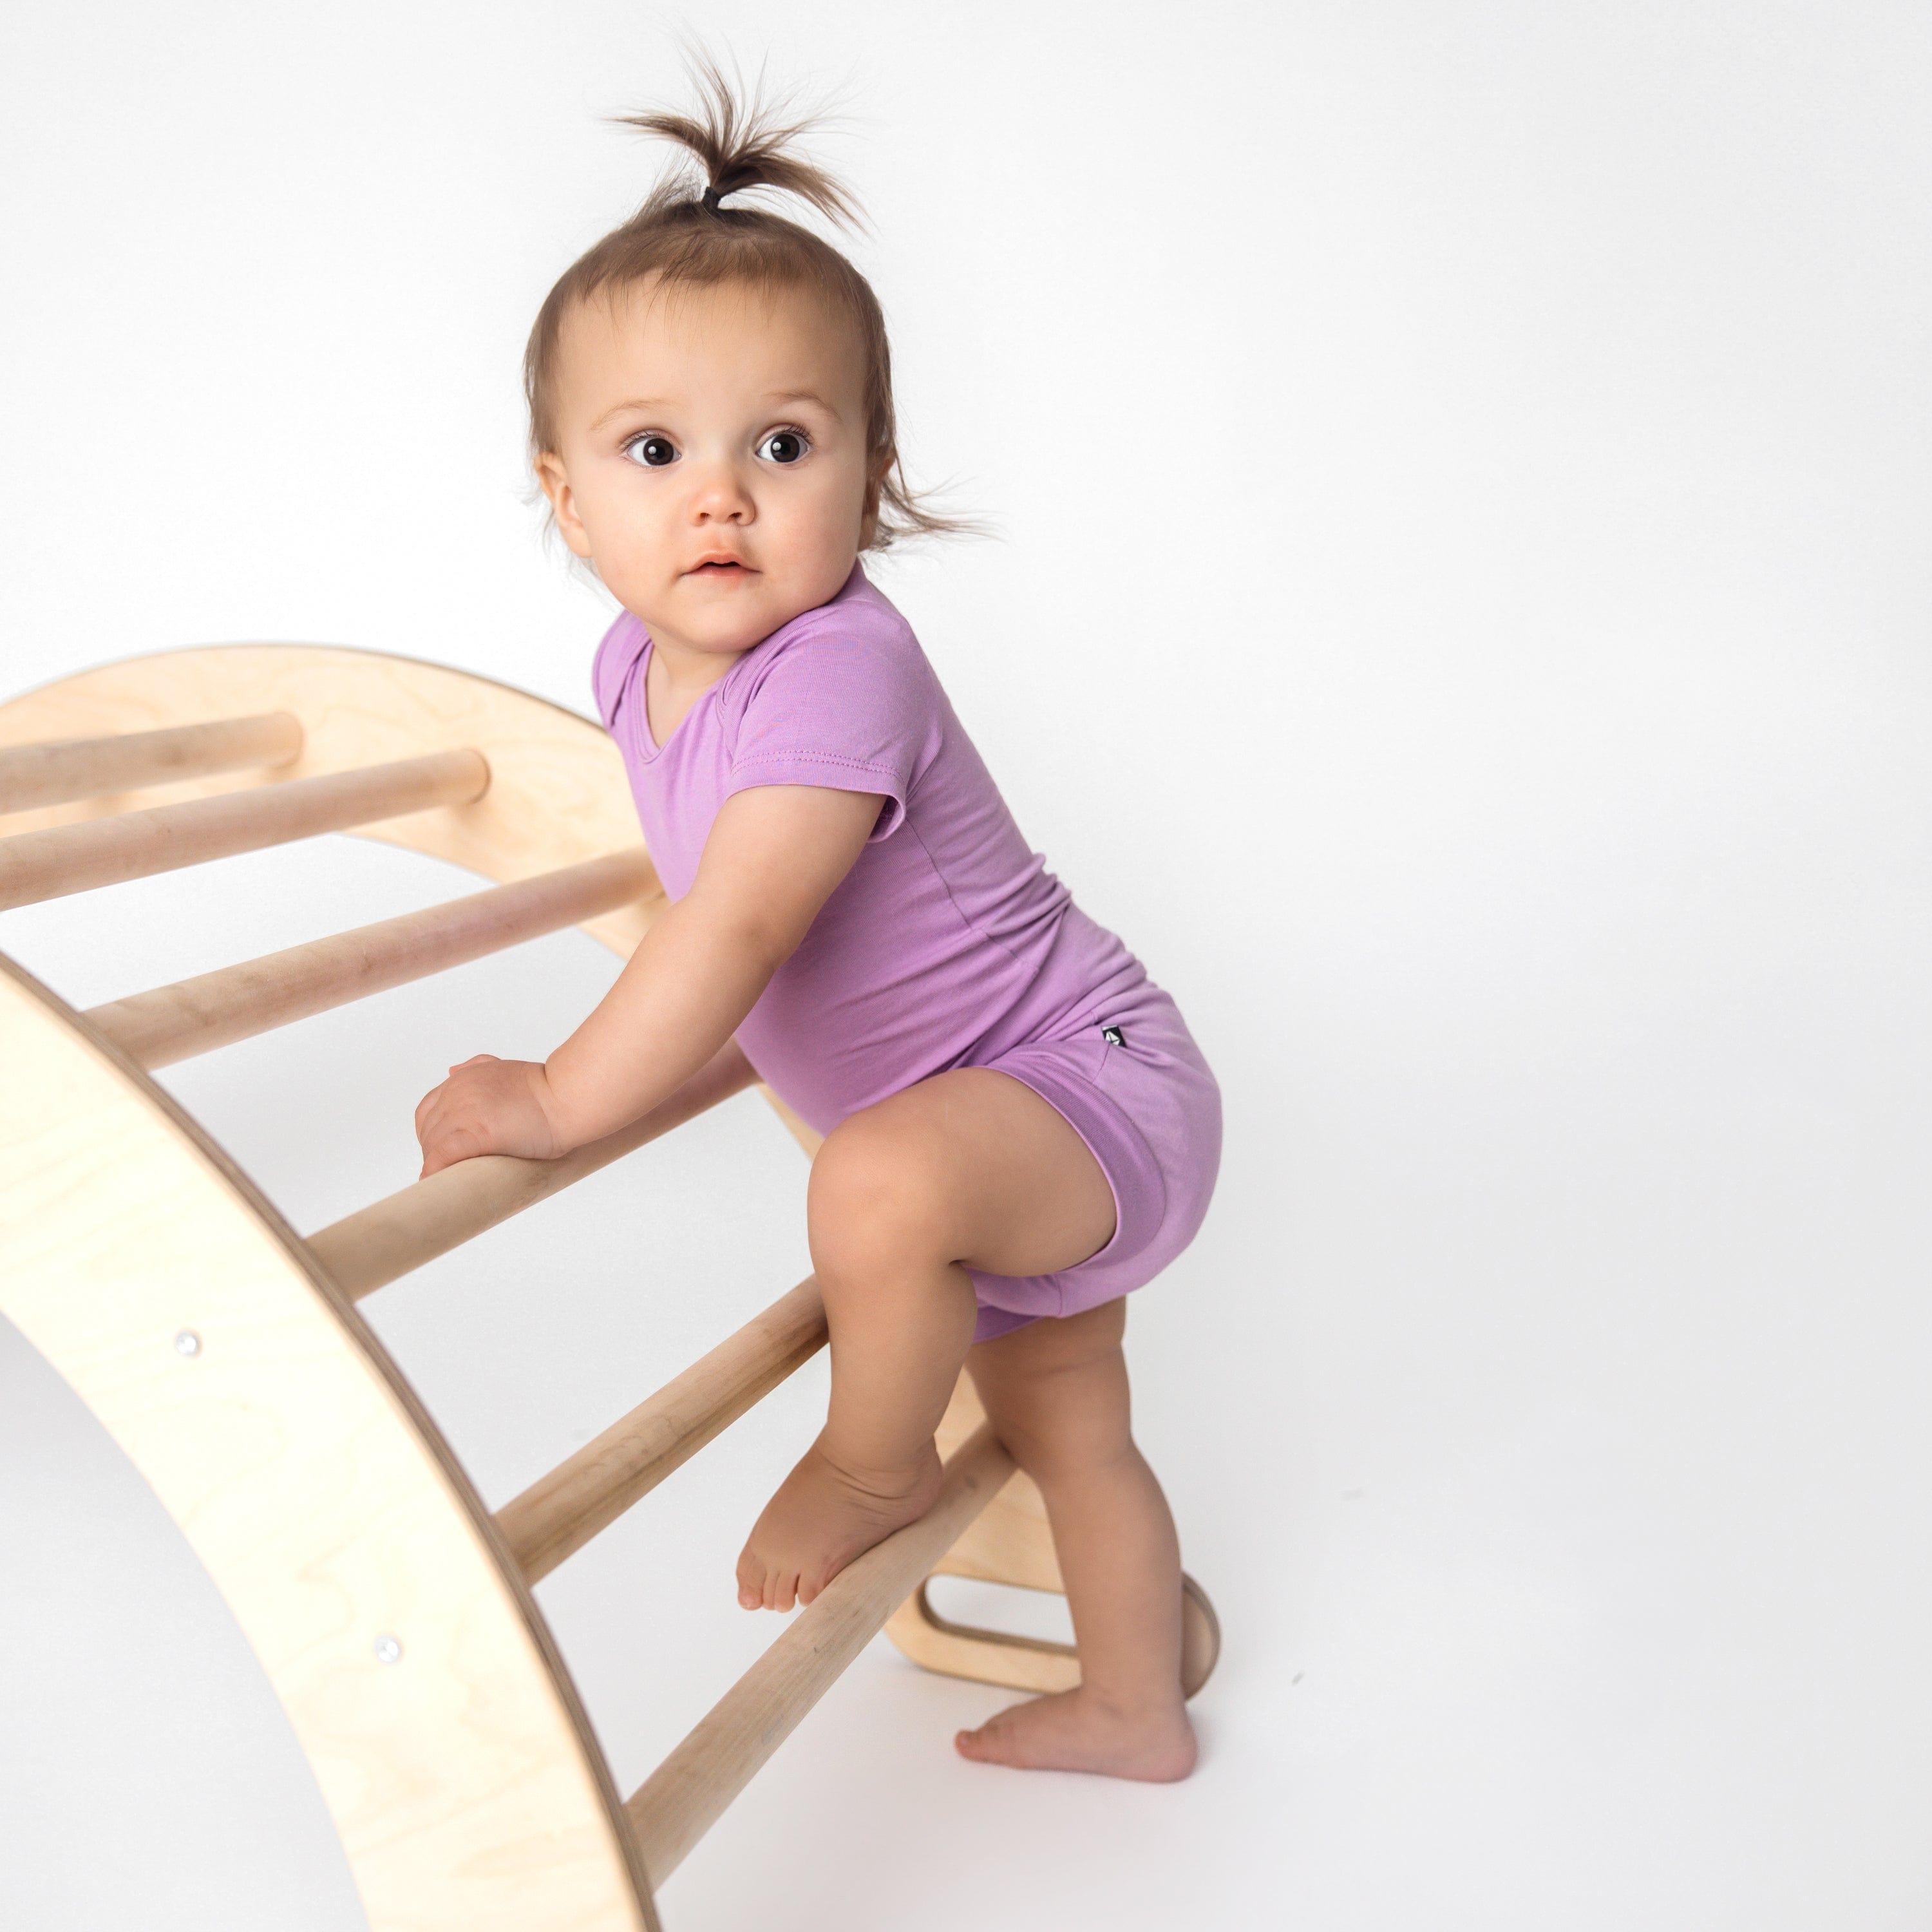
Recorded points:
(442, 1130)
(445, 1147)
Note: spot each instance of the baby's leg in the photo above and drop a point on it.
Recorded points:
(1056, 1392)
(969, 1168)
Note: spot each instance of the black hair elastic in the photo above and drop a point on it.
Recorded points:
(711, 199)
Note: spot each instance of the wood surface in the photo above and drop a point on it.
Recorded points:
(935, 1642)
(463, 1779)
(684, 1797)
(59, 859)
(174, 1022)
(465, 1784)
(1037, 1664)
(558, 793)
(70, 768)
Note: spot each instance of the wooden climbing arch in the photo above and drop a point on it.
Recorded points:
(223, 1352)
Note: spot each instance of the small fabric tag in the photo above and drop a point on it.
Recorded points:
(1113, 1036)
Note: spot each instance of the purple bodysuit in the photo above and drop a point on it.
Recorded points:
(948, 944)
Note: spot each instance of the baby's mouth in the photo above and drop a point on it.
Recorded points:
(720, 566)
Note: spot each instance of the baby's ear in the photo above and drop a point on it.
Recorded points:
(556, 481)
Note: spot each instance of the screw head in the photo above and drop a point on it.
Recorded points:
(387, 1650)
(187, 1342)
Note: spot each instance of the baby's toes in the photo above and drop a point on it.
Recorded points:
(753, 1582)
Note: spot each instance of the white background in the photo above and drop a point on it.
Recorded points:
(1460, 613)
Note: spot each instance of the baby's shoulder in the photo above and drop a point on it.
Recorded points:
(859, 641)
(616, 658)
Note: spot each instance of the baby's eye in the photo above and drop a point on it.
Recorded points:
(784, 445)
(653, 450)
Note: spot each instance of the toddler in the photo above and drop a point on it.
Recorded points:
(1018, 1129)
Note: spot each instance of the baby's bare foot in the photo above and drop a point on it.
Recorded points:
(820, 1518)
(1075, 1730)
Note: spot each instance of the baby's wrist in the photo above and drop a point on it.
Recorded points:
(550, 1105)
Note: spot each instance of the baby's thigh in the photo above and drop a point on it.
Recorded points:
(970, 1166)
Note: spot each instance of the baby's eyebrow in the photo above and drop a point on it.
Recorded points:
(638, 402)
(659, 403)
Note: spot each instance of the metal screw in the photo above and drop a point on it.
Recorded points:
(187, 1342)
(387, 1650)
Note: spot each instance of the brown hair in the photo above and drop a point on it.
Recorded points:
(682, 234)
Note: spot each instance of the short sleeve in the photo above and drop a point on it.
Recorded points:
(850, 706)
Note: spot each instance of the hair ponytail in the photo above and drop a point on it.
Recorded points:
(739, 146)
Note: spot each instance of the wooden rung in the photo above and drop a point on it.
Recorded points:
(558, 1514)
(683, 1798)
(387, 1240)
(64, 859)
(175, 1022)
(58, 770)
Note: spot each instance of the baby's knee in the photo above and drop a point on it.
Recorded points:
(874, 1202)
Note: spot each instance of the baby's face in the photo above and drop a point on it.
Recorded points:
(713, 461)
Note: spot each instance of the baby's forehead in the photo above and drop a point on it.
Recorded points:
(763, 338)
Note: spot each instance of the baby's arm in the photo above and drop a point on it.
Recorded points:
(774, 855)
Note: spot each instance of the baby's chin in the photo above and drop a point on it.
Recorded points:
(732, 614)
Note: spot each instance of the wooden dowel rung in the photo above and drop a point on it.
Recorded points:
(175, 1022)
(90, 852)
(58, 770)
(685, 1796)
(387, 1240)
(559, 1514)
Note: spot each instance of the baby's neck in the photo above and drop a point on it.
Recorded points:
(678, 675)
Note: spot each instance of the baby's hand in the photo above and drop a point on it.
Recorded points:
(487, 1105)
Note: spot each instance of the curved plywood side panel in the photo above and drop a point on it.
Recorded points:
(461, 1776)
(558, 793)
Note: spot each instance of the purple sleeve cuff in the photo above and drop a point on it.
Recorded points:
(833, 773)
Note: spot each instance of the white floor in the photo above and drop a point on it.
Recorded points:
(1570, 1544)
